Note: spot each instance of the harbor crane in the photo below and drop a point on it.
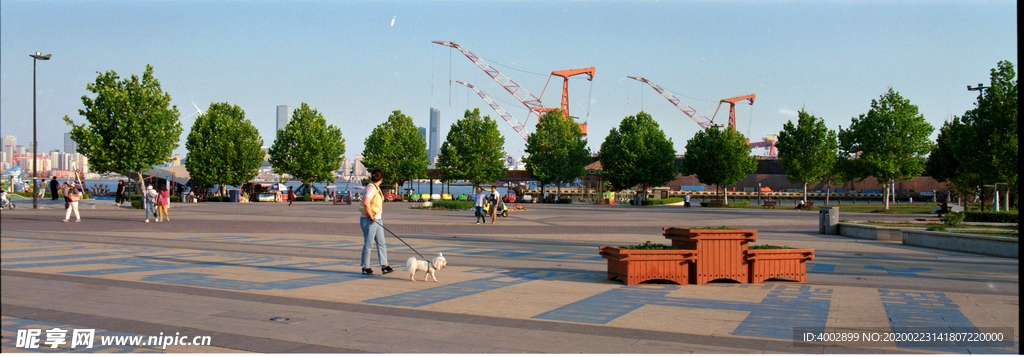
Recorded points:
(565, 88)
(518, 127)
(732, 107)
(701, 119)
(530, 101)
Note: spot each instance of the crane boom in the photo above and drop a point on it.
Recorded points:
(701, 119)
(519, 128)
(529, 100)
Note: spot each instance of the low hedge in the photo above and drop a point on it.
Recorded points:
(463, 205)
(990, 216)
(719, 203)
(663, 201)
(564, 200)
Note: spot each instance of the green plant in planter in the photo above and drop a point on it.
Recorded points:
(647, 246)
(767, 246)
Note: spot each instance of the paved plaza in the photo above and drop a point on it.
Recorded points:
(265, 277)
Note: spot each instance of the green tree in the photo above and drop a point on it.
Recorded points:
(637, 153)
(890, 141)
(718, 157)
(396, 148)
(131, 127)
(558, 151)
(980, 147)
(223, 147)
(307, 148)
(808, 150)
(473, 150)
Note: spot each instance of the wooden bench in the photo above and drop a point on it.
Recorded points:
(767, 204)
(316, 197)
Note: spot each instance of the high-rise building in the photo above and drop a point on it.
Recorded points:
(423, 134)
(9, 142)
(284, 115)
(435, 135)
(70, 146)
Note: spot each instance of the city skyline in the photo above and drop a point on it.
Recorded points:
(355, 65)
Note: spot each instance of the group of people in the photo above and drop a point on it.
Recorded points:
(491, 200)
(157, 202)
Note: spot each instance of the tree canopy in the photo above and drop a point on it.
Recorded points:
(307, 148)
(223, 147)
(637, 153)
(890, 141)
(396, 148)
(473, 150)
(558, 151)
(718, 157)
(808, 150)
(980, 147)
(131, 127)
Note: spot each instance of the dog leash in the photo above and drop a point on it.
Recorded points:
(400, 238)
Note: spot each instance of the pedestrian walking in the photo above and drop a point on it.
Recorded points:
(492, 199)
(370, 222)
(478, 205)
(54, 187)
(72, 196)
(686, 201)
(162, 203)
(149, 200)
(291, 196)
(119, 195)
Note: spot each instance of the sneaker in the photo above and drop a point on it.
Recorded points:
(78, 220)
(477, 222)
(147, 220)
(367, 271)
(64, 220)
(386, 269)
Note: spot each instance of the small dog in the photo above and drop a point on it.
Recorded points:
(414, 265)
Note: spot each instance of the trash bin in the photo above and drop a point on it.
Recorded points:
(233, 195)
(828, 220)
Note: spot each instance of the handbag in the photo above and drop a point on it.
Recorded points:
(75, 197)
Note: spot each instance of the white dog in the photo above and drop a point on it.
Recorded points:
(414, 265)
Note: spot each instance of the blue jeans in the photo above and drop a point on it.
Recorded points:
(150, 208)
(480, 214)
(373, 234)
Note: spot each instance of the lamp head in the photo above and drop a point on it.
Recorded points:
(40, 56)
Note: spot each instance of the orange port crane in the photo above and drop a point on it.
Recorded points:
(565, 88)
(732, 107)
(529, 100)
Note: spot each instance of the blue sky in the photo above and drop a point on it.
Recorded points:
(349, 61)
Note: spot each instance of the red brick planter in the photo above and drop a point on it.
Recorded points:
(637, 266)
(722, 252)
(770, 263)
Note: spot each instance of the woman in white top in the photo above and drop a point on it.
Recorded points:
(370, 222)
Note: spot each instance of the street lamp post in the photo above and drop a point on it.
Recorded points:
(981, 88)
(35, 143)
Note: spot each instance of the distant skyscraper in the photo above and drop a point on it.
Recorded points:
(435, 134)
(284, 114)
(70, 146)
(423, 133)
(9, 142)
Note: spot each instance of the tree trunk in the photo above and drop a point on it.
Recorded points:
(558, 191)
(805, 192)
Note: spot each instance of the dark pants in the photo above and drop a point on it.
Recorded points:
(53, 194)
